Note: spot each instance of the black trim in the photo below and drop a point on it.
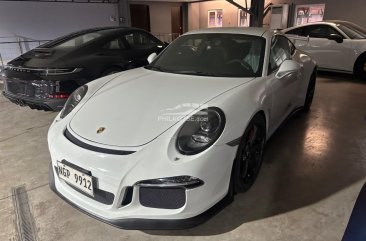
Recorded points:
(127, 196)
(150, 224)
(234, 142)
(81, 144)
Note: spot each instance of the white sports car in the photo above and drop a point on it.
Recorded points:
(335, 45)
(165, 146)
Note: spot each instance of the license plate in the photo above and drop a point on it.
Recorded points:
(76, 178)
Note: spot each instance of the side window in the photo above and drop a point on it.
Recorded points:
(280, 51)
(115, 44)
(296, 31)
(319, 31)
(139, 40)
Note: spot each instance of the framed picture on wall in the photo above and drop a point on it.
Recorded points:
(243, 18)
(308, 13)
(214, 18)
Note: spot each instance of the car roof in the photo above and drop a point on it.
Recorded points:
(233, 30)
(106, 30)
(327, 22)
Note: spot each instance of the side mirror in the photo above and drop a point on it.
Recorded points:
(336, 37)
(287, 67)
(151, 57)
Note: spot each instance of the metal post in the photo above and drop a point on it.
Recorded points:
(2, 63)
(20, 46)
(257, 7)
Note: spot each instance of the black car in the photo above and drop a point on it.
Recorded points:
(44, 77)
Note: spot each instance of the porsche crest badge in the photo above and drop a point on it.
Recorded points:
(100, 130)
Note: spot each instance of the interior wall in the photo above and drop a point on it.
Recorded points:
(48, 20)
(353, 11)
(198, 13)
(193, 16)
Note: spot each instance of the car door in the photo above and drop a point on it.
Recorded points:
(141, 45)
(328, 54)
(282, 91)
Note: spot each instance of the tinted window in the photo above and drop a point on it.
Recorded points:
(229, 55)
(78, 41)
(319, 31)
(114, 44)
(296, 31)
(140, 40)
(280, 51)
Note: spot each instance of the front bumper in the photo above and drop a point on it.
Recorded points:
(117, 173)
(148, 224)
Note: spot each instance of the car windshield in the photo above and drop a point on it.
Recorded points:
(221, 55)
(76, 41)
(352, 30)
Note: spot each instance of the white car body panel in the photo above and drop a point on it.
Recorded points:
(128, 105)
(134, 122)
(328, 54)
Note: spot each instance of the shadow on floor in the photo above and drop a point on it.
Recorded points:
(311, 157)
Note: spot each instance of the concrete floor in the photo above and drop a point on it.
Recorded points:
(314, 168)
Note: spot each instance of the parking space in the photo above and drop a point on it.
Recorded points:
(313, 170)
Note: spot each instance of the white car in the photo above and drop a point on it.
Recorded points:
(166, 145)
(335, 45)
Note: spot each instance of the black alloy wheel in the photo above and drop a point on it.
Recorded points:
(250, 154)
(360, 67)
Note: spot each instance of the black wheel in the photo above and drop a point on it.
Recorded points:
(110, 71)
(360, 67)
(250, 155)
(310, 93)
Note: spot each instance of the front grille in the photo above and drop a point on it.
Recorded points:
(165, 198)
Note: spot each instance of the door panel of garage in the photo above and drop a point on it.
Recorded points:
(177, 21)
(140, 16)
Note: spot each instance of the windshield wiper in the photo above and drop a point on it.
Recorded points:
(155, 67)
(199, 73)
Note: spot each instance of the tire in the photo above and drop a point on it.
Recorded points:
(249, 156)
(360, 67)
(310, 93)
(110, 71)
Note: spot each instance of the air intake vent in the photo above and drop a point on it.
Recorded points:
(127, 196)
(167, 198)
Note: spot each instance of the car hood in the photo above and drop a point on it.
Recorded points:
(139, 105)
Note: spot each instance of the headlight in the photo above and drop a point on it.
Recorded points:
(200, 131)
(73, 100)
